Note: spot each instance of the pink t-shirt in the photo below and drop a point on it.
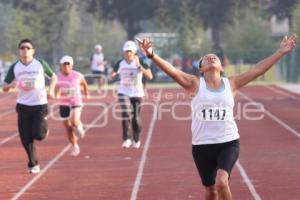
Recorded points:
(70, 90)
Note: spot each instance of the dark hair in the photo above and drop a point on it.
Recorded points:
(199, 67)
(200, 62)
(26, 40)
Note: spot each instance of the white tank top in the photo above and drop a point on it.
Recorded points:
(97, 62)
(212, 115)
(130, 79)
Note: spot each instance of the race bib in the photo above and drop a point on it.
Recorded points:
(129, 82)
(27, 84)
(130, 78)
(67, 92)
(214, 114)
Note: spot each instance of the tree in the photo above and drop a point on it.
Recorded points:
(249, 39)
(283, 9)
(129, 12)
(215, 14)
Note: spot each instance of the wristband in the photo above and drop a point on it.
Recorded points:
(151, 55)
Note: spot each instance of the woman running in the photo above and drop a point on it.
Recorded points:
(215, 137)
(131, 70)
(68, 90)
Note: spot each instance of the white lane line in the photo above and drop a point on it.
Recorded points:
(248, 182)
(283, 93)
(56, 158)
(240, 168)
(276, 119)
(7, 112)
(139, 174)
(44, 170)
(9, 138)
(6, 97)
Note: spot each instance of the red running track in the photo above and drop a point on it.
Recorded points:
(163, 168)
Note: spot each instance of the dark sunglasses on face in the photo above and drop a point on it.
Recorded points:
(25, 47)
(66, 63)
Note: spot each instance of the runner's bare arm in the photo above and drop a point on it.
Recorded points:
(53, 82)
(189, 82)
(146, 72)
(286, 45)
(85, 88)
(6, 87)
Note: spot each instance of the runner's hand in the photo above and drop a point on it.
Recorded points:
(288, 44)
(147, 46)
(51, 95)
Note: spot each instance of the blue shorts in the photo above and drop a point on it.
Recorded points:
(94, 72)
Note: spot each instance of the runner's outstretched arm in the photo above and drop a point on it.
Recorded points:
(286, 45)
(189, 82)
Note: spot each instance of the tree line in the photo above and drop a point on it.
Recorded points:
(74, 26)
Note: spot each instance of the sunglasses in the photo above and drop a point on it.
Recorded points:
(66, 63)
(25, 47)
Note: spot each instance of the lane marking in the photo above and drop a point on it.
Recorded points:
(248, 182)
(7, 112)
(6, 97)
(55, 159)
(139, 174)
(276, 119)
(242, 171)
(43, 171)
(9, 138)
(282, 93)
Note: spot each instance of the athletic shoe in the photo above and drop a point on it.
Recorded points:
(136, 144)
(75, 150)
(34, 170)
(127, 143)
(80, 131)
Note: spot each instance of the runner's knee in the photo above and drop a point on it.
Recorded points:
(222, 179)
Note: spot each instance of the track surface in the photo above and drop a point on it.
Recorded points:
(163, 168)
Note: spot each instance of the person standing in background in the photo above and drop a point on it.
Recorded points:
(98, 67)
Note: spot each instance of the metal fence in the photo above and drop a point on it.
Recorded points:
(289, 69)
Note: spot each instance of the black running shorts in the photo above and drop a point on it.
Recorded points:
(32, 121)
(65, 111)
(211, 157)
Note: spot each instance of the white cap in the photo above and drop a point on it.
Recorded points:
(129, 46)
(66, 59)
(98, 46)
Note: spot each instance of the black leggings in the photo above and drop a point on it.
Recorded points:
(32, 125)
(131, 108)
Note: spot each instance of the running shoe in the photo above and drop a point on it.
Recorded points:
(127, 143)
(80, 131)
(75, 150)
(136, 144)
(35, 169)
